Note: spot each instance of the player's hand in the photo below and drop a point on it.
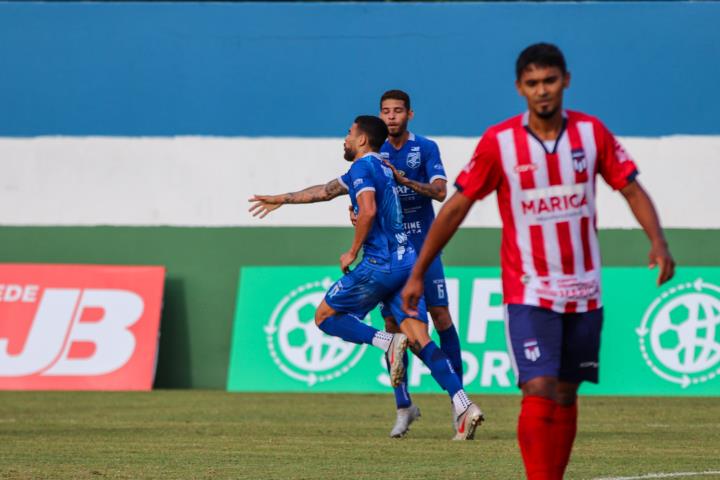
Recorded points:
(399, 177)
(353, 215)
(264, 204)
(411, 295)
(347, 259)
(660, 256)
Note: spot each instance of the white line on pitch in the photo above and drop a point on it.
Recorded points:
(662, 475)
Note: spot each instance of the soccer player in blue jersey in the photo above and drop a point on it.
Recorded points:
(387, 259)
(418, 169)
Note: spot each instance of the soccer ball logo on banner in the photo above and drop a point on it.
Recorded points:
(680, 334)
(298, 347)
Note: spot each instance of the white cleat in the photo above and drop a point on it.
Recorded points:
(467, 422)
(394, 356)
(405, 416)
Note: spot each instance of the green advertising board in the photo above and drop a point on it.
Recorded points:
(656, 340)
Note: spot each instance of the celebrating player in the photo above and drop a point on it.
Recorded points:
(415, 162)
(542, 164)
(387, 260)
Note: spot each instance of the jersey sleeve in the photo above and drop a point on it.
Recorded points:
(361, 177)
(483, 174)
(345, 180)
(434, 168)
(614, 164)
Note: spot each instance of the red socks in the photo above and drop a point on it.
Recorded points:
(564, 428)
(535, 435)
(546, 432)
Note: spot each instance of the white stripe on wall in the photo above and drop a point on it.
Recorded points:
(206, 181)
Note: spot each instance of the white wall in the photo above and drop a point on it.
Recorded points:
(206, 181)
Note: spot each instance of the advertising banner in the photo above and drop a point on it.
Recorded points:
(79, 327)
(656, 340)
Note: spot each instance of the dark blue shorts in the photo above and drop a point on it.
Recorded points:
(365, 287)
(434, 285)
(551, 344)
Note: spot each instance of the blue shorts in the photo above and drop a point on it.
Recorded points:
(365, 287)
(544, 343)
(435, 289)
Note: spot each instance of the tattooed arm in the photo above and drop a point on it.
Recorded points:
(437, 190)
(264, 204)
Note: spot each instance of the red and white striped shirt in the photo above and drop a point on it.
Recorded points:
(550, 255)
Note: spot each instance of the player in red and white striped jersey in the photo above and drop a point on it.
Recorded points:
(543, 165)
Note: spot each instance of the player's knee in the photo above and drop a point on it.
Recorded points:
(541, 387)
(391, 325)
(417, 334)
(566, 394)
(322, 313)
(441, 318)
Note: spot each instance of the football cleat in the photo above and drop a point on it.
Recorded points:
(405, 416)
(467, 422)
(394, 356)
(453, 417)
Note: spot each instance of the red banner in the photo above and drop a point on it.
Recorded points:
(79, 327)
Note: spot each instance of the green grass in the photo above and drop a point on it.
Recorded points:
(212, 434)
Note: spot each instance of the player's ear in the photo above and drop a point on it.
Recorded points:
(566, 80)
(411, 114)
(518, 87)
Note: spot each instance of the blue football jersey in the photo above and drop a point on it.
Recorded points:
(387, 244)
(419, 160)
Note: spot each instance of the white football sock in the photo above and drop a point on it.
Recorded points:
(461, 402)
(382, 340)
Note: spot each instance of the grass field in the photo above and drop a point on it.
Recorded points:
(212, 434)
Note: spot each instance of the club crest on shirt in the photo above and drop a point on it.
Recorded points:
(413, 159)
(579, 160)
(385, 155)
(532, 349)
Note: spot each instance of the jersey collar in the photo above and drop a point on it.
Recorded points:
(373, 154)
(526, 117)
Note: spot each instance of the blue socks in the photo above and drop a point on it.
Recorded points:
(349, 328)
(402, 396)
(440, 368)
(450, 345)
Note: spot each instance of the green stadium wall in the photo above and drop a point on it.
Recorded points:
(203, 266)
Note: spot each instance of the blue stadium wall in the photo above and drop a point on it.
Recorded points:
(134, 132)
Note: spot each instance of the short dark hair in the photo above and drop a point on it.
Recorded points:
(541, 55)
(374, 128)
(396, 95)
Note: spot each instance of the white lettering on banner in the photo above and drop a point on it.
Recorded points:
(496, 370)
(472, 367)
(46, 337)
(18, 293)
(482, 312)
(57, 325)
(496, 365)
(114, 343)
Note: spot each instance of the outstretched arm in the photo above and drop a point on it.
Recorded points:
(437, 189)
(644, 211)
(264, 204)
(449, 218)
